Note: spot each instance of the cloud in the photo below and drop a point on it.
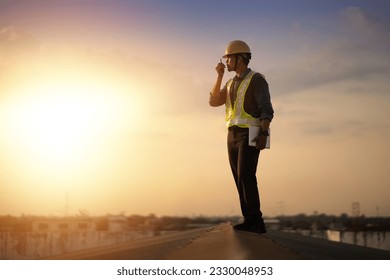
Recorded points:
(355, 48)
(12, 39)
(8, 33)
(15, 47)
(361, 21)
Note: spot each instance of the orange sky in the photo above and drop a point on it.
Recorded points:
(105, 109)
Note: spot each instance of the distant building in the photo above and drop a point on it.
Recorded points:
(111, 223)
(117, 223)
(63, 224)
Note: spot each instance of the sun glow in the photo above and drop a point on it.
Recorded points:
(59, 130)
(60, 120)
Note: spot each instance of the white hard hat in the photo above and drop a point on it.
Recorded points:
(237, 47)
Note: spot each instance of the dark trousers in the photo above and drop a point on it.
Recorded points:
(243, 162)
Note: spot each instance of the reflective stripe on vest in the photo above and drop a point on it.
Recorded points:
(237, 115)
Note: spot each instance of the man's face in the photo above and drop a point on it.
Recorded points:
(231, 62)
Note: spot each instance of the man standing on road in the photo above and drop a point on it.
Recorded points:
(248, 103)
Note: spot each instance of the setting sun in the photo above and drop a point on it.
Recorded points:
(62, 120)
(61, 125)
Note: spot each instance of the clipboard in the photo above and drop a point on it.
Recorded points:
(254, 132)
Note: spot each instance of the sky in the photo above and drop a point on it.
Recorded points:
(104, 106)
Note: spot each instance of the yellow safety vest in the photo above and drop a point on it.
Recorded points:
(236, 115)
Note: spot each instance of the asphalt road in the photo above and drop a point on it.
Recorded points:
(321, 249)
(153, 248)
(221, 242)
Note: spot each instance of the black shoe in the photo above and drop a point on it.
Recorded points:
(242, 226)
(251, 227)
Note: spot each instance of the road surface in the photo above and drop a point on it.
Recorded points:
(221, 242)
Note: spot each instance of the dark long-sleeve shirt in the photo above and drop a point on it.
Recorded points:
(257, 101)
